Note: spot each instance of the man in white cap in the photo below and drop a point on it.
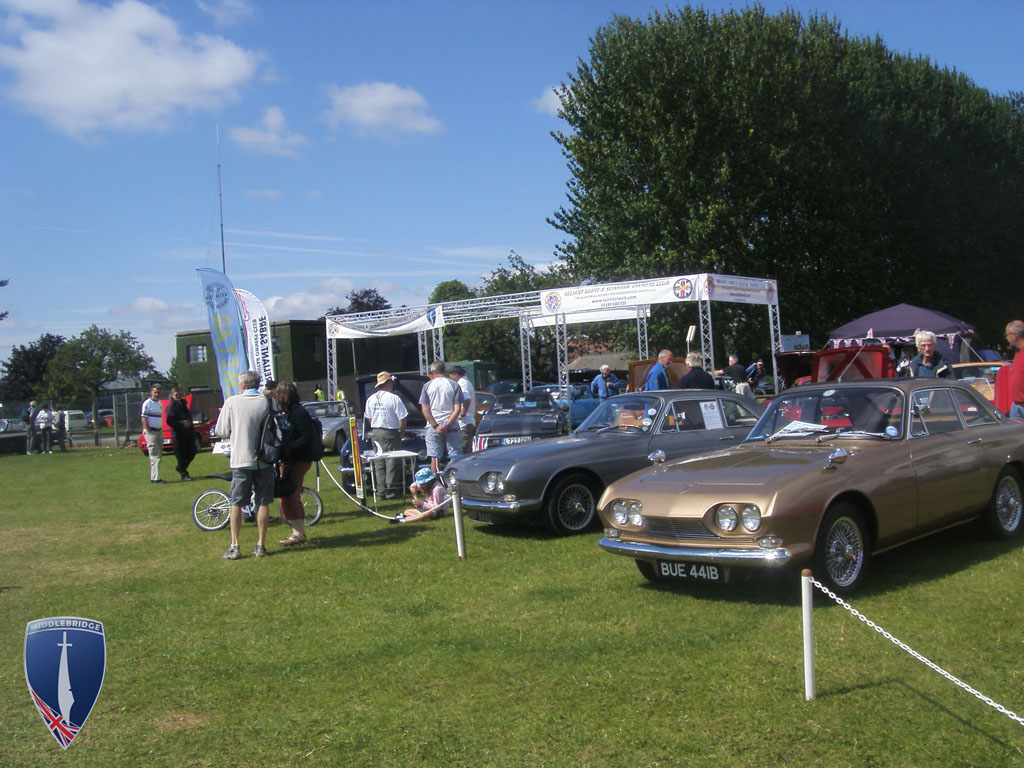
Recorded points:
(387, 415)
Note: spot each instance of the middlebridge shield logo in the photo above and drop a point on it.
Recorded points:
(65, 660)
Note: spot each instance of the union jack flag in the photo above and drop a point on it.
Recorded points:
(479, 443)
(63, 731)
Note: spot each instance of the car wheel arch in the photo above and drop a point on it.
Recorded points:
(585, 471)
(863, 504)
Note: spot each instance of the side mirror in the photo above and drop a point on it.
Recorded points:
(656, 457)
(837, 457)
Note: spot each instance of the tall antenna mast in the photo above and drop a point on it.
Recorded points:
(220, 200)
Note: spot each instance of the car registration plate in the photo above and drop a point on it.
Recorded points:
(514, 440)
(689, 571)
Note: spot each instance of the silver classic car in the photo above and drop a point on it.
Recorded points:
(831, 474)
(560, 480)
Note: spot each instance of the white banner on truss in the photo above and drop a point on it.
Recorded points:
(619, 295)
(432, 318)
(661, 290)
(743, 290)
(599, 316)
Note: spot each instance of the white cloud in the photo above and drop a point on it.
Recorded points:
(227, 12)
(311, 304)
(263, 194)
(270, 137)
(547, 103)
(84, 67)
(148, 306)
(380, 109)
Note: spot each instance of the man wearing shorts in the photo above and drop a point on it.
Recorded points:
(442, 404)
(239, 421)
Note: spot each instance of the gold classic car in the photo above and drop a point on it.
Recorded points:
(830, 475)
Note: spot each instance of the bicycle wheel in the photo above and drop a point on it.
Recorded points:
(313, 505)
(211, 510)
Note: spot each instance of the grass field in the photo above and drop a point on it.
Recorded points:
(375, 646)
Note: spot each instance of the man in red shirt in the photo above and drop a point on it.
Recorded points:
(1015, 335)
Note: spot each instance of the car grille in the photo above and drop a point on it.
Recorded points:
(672, 528)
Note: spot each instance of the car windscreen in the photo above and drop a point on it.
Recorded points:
(851, 411)
(626, 413)
(527, 403)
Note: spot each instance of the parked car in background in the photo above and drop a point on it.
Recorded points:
(831, 475)
(333, 415)
(520, 418)
(13, 425)
(559, 481)
(581, 401)
(506, 387)
(981, 376)
(202, 438)
(77, 421)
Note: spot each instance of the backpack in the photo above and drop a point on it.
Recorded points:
(268, 446)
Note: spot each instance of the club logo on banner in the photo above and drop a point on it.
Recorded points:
(65, 662)
(682, 288)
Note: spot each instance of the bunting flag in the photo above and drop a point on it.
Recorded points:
(226, 328)
(257, 335)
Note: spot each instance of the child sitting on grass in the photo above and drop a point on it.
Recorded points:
(429, 498)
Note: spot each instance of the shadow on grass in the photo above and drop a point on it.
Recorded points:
(386, 534)
(931, 701)
(512, 530)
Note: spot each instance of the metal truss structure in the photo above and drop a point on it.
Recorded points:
(524, 308)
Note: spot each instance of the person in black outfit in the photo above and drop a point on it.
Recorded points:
(179, 419)
(735, 371)
(696, 377)
(298, 452)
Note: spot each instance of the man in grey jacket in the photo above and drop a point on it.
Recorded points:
(239, 421)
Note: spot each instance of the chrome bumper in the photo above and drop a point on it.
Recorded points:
(721, 555)
(488, 505)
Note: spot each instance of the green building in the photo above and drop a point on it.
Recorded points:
(300, 355)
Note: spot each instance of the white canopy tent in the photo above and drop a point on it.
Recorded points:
(559, 308)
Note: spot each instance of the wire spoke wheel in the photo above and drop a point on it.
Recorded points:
(844, 554)
(1006, 508)
(571, 506)
(842, 551)
(211, 510)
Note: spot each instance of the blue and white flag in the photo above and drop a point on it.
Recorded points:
(65, 662)
(226, 329)
(257, 335)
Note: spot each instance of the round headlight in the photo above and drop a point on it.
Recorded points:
(620, 513)
(725, 518)
(493, 482)
(636, 513)
(751, 517)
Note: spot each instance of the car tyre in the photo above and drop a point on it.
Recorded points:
(842, 550)
(648, 570)
(1004, 514)
(571, 505)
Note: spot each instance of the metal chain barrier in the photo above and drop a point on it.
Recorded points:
(927, 662)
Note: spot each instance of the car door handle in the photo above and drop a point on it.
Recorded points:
(728, 437)
(975, 441)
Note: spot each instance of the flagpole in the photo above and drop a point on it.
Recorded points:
(220, 201)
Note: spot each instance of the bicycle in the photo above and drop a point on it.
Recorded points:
(211, 511)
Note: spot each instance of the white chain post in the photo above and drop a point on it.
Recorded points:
(460, 534)
(807, 601)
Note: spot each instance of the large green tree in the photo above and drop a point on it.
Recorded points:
(88, 361)
(777, 146)
(23, 371)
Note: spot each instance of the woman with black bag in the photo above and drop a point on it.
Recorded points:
(298, 452)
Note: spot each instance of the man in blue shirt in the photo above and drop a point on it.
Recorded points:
(657, 377)
(605, 384)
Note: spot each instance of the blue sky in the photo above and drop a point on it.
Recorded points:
(380, 144)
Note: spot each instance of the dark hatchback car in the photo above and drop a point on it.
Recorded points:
(520, 418)
(559, 481)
